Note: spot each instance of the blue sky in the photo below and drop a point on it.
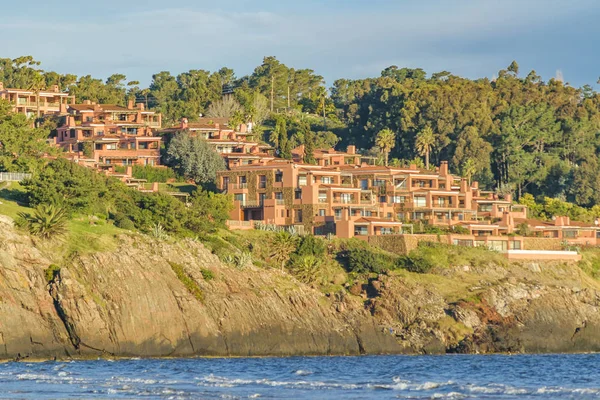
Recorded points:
(336, 38)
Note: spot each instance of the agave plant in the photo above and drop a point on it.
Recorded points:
(243, 260)
(307, 269)
(47, 220)
(229, 260)
(159, 232)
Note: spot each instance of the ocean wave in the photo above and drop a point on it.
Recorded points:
(219, 381)
(303, 372)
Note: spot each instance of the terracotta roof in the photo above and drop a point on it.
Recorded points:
(81, 107)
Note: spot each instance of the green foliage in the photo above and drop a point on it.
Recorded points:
(207, 274)
(306, 268)
(51, 273)
(153, 174)
(21, 146)
(282, 245)
(194, 158)
(47, 221)
(385, 140)
(187, 281)
(368, 260)
(537, 137)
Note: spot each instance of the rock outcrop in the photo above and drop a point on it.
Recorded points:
(132, 302)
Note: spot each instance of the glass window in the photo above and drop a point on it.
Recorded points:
(322, 212)
(327, 180)
(279, 177)
(302, 180)
(420, 201)
(279, 195)
(298, 194)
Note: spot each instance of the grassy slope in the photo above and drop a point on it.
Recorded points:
(86, 235)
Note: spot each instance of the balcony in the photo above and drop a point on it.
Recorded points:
(238, 186)
(280, 202)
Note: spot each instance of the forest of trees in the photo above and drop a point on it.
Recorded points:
(515, 133)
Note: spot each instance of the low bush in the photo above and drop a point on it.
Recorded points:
(153, 174)
(51, 272)
(187, 281)
(207, 274)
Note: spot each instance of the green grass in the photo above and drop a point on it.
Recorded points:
(10, 194)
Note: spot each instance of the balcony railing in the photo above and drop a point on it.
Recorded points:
(237, 186)
(280, 202)
(322, 200)
(251, 203)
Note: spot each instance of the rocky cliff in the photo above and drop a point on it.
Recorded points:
(150, 298)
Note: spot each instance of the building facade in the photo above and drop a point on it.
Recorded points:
(33, 104)
(235, 144)
(110, 134)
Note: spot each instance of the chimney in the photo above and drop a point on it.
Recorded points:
(130, 104)
(140, 106)
(508, 197)
(129, 171)
(508, 221)
(413, 167)
(63, 108)
(475, 186)
(463, 186)
(55, 88)
(444, 168)
(351, 149)
(184, 123)
(155, 186)
(87, 102)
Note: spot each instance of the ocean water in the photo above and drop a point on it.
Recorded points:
(369, 377)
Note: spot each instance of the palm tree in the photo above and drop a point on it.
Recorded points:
(37, 84)
(46, 221)
(424, 143)
(468, 169)
(385, 140)
(282, 246)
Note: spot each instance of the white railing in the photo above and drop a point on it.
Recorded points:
(13, 176)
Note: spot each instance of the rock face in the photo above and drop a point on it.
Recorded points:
(131, 302)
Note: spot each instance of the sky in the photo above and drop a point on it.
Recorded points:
(336, 38)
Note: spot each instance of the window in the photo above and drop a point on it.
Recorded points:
(389, 215)
(382, 199)
(98, 146)
(322, 212)
(100, 133)
(123, 145)
(298, 216)
(279, 195)
(298, 195)
(88, 119)
(239, 197)
(397, 199)
(262, 181)
(379, 182)
(338, 213)
(225, 182)
(364, 184)
(111, 146)
(360, 230)
(302, 180)
(485, 208)
(419, 201)
(345, 198)
(570, 234)
(261, 198)
(322, 197)
(279, 176)
(72, 133)
(327, 180)
(242, 180)
(133, 145)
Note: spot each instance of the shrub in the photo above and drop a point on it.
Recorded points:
(51, 272)
(311, 245)
(367, 260)
(207, 274)
(153, 174)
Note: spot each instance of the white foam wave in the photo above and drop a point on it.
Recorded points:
(219, 381)
(303, 372)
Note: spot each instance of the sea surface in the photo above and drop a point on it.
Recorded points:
(369, 377)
